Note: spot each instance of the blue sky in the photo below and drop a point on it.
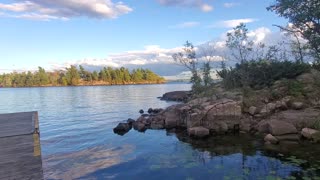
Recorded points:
(53, 34)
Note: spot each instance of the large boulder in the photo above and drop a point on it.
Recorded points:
(198, 132)
(224, 110)
(308, 132)
(224, 107)
(157, 122)
(176, 96)
(172, 116)
(277, 127)
(299, 118)
(122, 128)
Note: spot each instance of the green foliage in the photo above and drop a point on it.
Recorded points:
(295, 88)
(207, 80)
(305, 16)
(260, 74)
(239, 44)
(73, 76)
(316, 124)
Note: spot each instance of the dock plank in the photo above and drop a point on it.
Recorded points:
(20, 153)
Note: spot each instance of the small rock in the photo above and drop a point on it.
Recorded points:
(122, 128)
(297, 105)
(281, 105)
(308, 132)
(199, 132)
(150, 110)
(252, 110)
(271, 107)
(264, 111)
(271, 139)
(286, 100)
(141, 111)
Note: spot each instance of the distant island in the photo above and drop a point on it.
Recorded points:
(74, 76)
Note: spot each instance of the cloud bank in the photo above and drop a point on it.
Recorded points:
(160, 59)
(64, 9)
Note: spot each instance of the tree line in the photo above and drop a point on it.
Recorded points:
(74, 76)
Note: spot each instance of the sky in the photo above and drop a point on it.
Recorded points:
(131, 33)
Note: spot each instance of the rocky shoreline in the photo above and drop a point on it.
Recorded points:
(284, 122)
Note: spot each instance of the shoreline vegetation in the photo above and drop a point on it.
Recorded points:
(80, 77)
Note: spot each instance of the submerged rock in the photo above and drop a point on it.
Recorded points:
(198, 132)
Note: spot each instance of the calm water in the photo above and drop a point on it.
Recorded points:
(78, 142)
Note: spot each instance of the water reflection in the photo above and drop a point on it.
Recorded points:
(77, 164)
(224, 157)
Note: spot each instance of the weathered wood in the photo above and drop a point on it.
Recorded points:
(20, 153)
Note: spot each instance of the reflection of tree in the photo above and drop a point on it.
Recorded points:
(221, 145)
(238, 155)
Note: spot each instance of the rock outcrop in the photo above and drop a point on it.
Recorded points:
(176, 96)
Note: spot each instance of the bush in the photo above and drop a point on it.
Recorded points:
(260, 74)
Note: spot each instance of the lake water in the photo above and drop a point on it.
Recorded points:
(77, 140)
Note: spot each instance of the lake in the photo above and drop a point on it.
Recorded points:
(77, 140)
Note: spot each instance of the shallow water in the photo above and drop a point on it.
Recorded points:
(77, 140)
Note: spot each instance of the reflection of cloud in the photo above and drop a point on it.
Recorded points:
(81, 163)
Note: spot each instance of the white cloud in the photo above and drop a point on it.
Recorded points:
(185, 25)
(206, 8)
(232, 23)
(64, 9)
(230, 5)
(200, 4)
(259, 34)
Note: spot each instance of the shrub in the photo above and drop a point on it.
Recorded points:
(262, 73)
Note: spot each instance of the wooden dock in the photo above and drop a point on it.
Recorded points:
(20, 153)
